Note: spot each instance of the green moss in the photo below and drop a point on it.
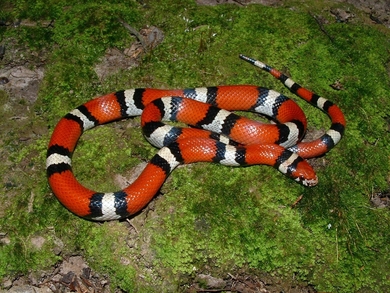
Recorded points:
(211, 218)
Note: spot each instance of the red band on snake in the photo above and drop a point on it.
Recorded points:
(220, 136)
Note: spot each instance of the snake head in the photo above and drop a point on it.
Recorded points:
(299, 170)
(304, 174)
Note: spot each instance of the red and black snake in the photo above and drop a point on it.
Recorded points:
(218, 136)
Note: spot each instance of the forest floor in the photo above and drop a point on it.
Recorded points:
(21, 77)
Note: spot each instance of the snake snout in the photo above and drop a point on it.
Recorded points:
(308, 182)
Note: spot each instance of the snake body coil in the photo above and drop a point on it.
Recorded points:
(220, 136)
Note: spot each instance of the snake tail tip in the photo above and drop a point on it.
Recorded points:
(246, 58)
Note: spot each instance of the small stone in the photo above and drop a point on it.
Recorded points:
(211, 282)
(7, 283)
(38, 242)
(22, 289)
(5, 240)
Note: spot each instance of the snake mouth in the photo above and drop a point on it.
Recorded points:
(307, 182)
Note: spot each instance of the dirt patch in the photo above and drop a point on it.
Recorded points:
(22, 83)
(22, 70)
(377, 11)
(71, 275)
(116, 60)
(74, 275)
(240, 2)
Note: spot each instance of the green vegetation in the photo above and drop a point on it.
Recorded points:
(211, 218)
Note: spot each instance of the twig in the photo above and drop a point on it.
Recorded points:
(337, 248)
(135, 229)
(322, 28)
(297, 201)
(211, 290)
(239, 2)
(134, 32)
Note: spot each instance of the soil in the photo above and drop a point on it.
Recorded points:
(20, 76)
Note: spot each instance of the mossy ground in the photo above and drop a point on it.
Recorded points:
(211, 219)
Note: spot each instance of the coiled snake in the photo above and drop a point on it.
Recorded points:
(218, 136)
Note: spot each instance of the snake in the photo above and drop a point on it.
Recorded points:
(215, 134)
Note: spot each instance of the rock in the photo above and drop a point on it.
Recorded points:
(211, 282)
(38, 242)
(21, 82)
(22, 289)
